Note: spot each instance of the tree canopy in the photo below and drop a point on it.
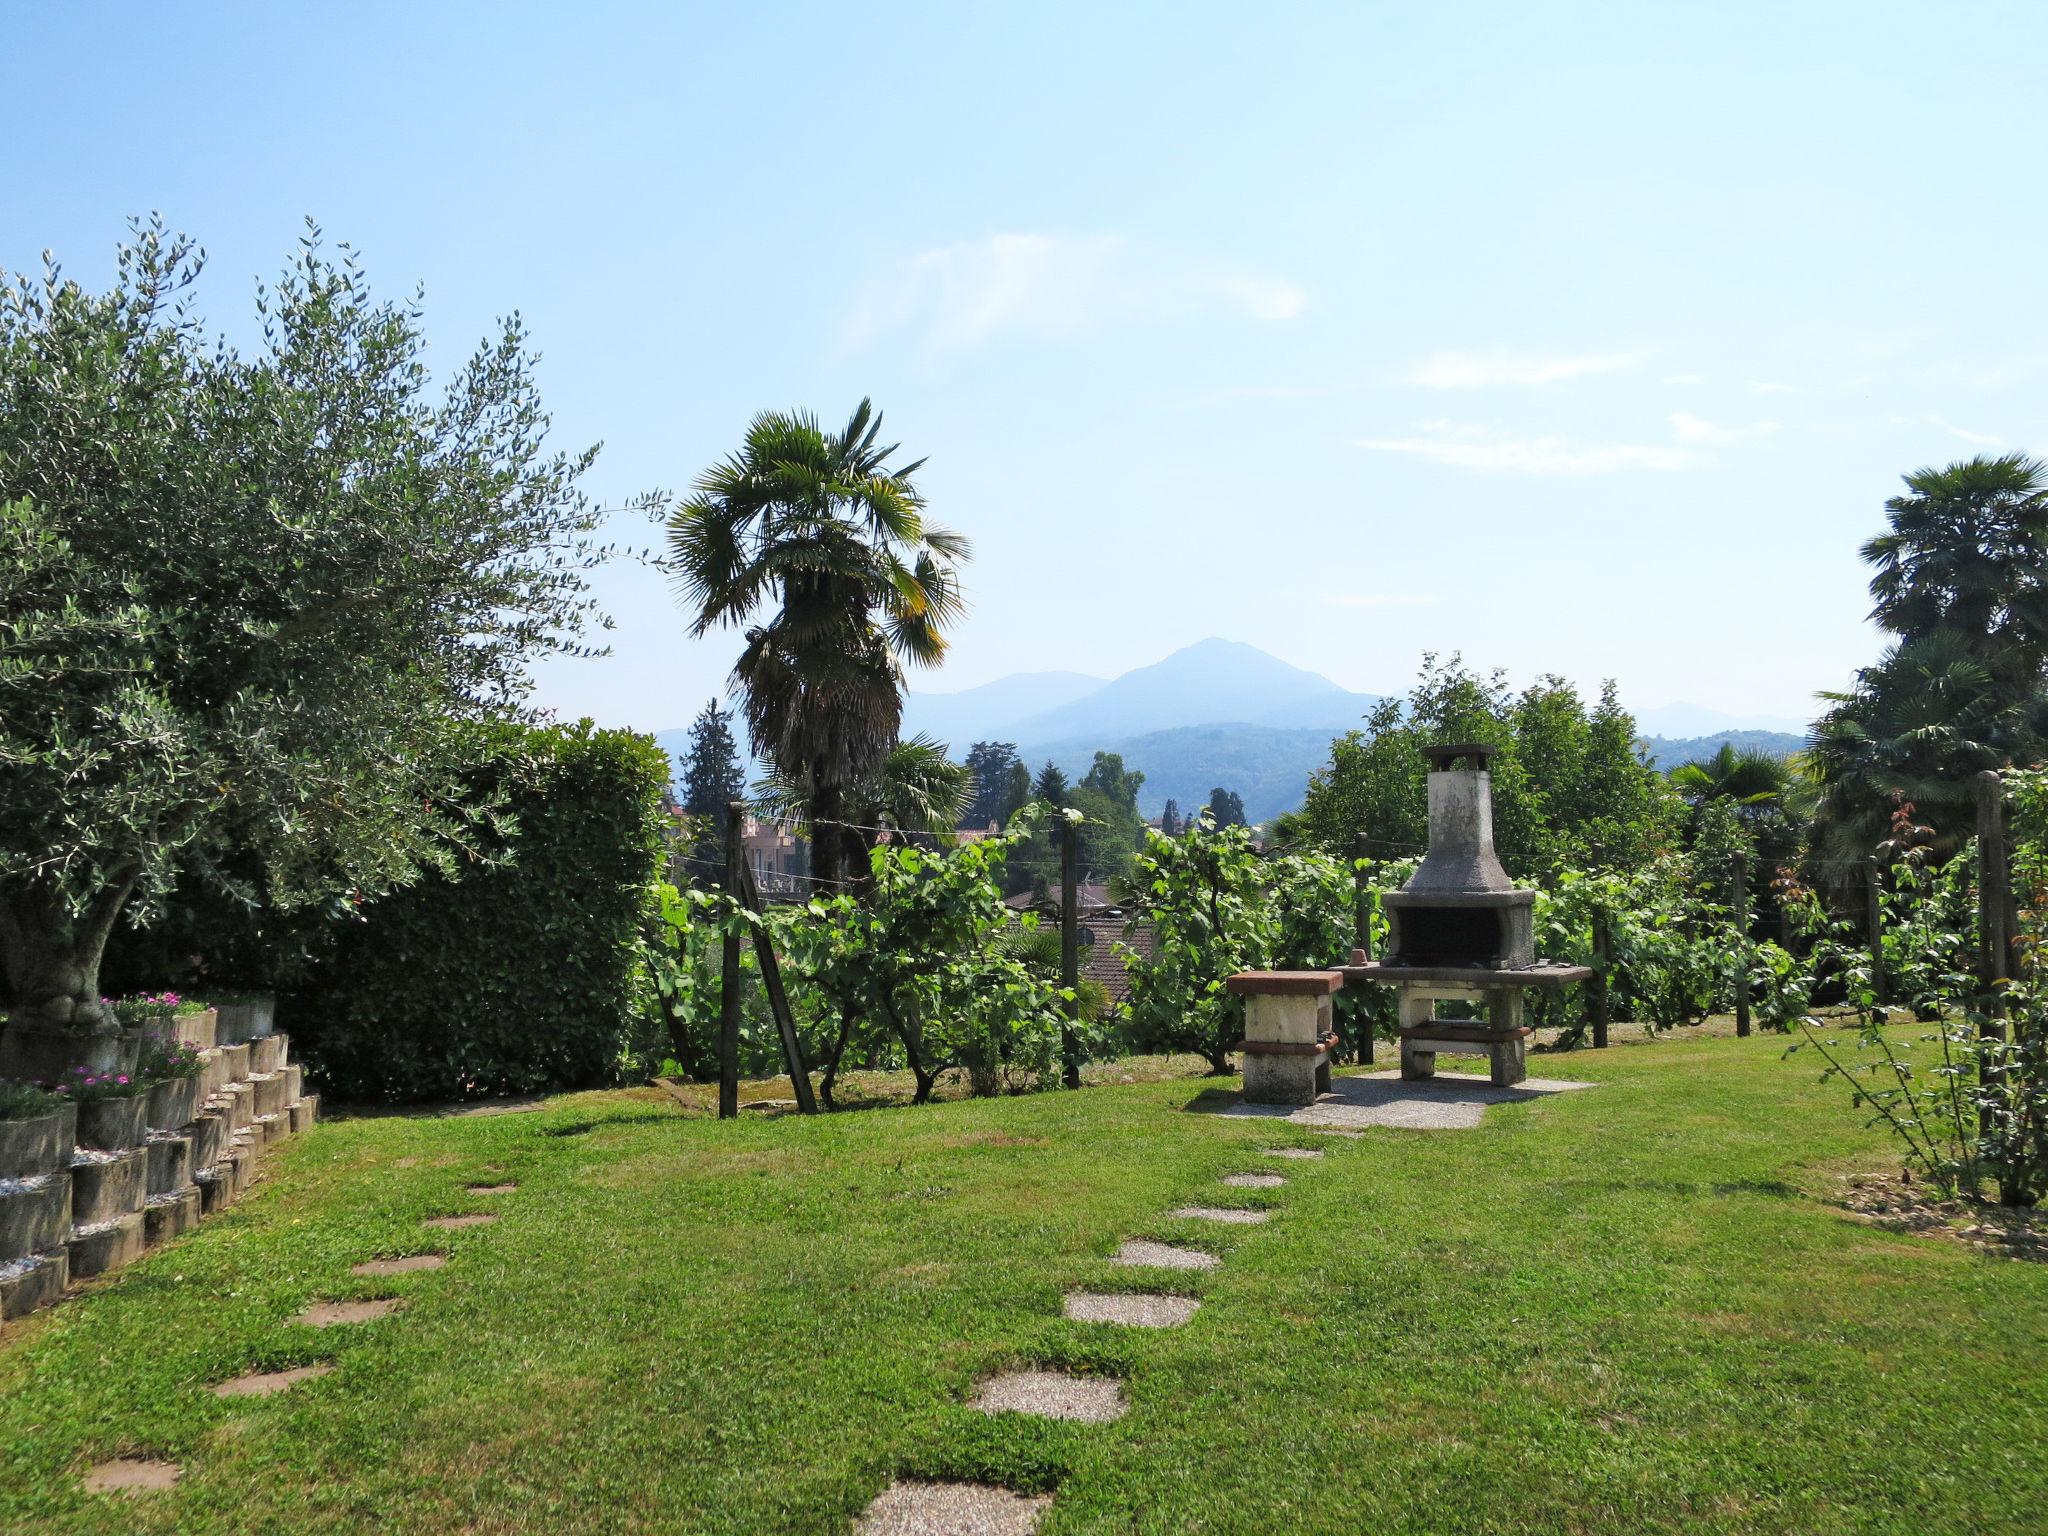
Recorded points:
(253, 600)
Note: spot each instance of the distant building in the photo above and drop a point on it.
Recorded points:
(779, 855)
(1104, 925)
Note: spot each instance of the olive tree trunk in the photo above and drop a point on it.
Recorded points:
(51, 955)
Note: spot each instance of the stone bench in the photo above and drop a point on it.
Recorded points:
(1290, 1033)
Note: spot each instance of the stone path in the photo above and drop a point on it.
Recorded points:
(132, 1475)
(1446, 1102)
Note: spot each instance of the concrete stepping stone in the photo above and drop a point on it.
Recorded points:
(1235, 1215)
(1253, 1180)
(492, 1189)
(1146, 1254)
(131, 1475)
(1134, 1309)
(269, 1383)
(457, 1223)
(951, 1509)
(410, 1264)
(1292, 1152)
(330, 1314)
(1053, 1395)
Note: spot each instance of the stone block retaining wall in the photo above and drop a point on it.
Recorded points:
(90, 1187)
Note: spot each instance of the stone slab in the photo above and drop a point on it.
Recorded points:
(1053, 1395)
(1229, 1215)
(269, 1383)
(1382, 1098)
(410, 1263)
(1142, 1253)
(132, 1475)
(335, 1314)
(1253, 1180)
(1294, 1152)
(1132, 1309)
(951, 1509)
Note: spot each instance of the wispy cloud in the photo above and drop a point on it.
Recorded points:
(1481, 370)
(1769, 387)
(1685, 378)
(1379, 599)
(956, 296)
(1981, 439)
(1252, 394)
(1697, 430)
(1492, 452)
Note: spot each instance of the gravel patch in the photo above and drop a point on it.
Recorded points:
(1235, 1215)
(951, 1509)
(1292, 1152)
(132, 1474)
(329, 1314)
(1253, 1180)
(25, 1186)
(1131, 1308)
(457, 1223)
(269, 1383)
(1150, 1255)
(1053, 1395)
(492, 1189)
(411, 1263)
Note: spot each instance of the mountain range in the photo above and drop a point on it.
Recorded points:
(1220, 712)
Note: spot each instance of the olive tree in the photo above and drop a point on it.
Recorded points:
(252, 602)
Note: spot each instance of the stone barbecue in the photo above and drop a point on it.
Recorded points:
(1460, 931)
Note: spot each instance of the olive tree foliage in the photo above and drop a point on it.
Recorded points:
(250, 601)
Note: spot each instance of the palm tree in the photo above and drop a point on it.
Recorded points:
(1967, 552)
(820, 525)
(917, 790)
(1747, 777)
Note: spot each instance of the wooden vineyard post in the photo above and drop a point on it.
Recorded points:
(1361, 939)
(1873, 929)
(778, 996)
(1994, 899)
(1740, 903)
(729, 969)
(1599, 997)
(1070, 948)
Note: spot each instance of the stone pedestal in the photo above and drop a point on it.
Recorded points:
(1289, 1034)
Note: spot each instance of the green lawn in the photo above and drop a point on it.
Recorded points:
(1622, 1310)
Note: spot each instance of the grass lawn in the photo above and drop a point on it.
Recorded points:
(1622, 1310)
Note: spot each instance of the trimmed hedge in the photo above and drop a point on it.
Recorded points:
(517, 978)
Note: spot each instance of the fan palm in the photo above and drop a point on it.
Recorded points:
(1967, 552)
(1747, 777)
(917, 789)
(821, 527)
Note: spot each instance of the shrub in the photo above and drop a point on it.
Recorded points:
(522, 974)
(81, 1086)
(154, 1005)
(160, 1059)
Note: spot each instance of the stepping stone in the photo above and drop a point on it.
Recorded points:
(411, 1263)
(456, 1223)
(1131, 1308)
(132, 1474)
(951, 1509)
(1150, 1255)
(1234, 1214)
(329, 1314)
(1253, 1180)
(1292, 1152)
(492, 1189)
(1053, 1395)
(268, 1383)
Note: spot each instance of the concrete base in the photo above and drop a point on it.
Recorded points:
(36, 1285)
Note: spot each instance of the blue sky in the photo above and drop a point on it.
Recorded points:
(1585, 339)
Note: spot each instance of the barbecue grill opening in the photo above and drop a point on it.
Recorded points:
(1452, 935)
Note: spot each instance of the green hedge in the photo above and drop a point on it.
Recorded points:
(512, 979)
